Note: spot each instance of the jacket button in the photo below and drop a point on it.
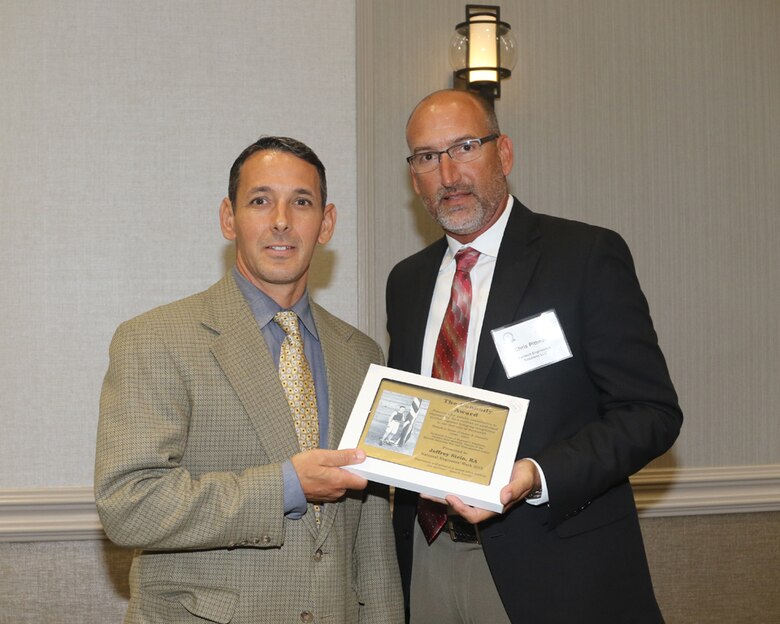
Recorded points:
(318, 555)
(265, 539)
(307, 616)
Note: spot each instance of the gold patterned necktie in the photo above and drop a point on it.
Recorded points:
(298, 385)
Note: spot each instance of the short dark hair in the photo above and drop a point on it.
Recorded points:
(277, 144)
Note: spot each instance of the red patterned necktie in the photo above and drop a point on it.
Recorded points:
(448, 360)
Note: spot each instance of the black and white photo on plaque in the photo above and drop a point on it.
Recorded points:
(397, 422)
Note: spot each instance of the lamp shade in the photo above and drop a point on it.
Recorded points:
(483, 50)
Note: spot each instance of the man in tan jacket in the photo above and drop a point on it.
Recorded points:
(199, 465)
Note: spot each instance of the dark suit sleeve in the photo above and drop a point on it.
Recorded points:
(638, 415)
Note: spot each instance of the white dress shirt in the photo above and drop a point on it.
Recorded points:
(487, 244)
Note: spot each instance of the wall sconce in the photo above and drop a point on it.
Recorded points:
(483, 50)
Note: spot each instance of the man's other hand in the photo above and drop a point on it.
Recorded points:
(321, 474)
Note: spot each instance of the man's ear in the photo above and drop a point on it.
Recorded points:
(506, 153)
(226, 219)
(415, 186)
(328, 225)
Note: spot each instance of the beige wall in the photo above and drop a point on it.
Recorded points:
(716, 569)
(659, 119)
(83, 582)
(706, 570)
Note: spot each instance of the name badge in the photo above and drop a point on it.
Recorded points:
(530, 344)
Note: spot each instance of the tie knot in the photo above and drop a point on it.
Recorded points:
(288, 321)
(465, 259)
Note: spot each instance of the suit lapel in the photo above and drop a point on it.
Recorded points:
(517, 257)
(412, 307)
(337, 358)
(341, 377)
(243, 356)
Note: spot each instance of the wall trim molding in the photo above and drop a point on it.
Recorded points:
(664, 492)
(68, 513)
(49, 515)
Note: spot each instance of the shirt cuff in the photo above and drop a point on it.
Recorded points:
(545, 496)
(294, 498)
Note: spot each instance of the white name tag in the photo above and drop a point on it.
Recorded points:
(530, 344)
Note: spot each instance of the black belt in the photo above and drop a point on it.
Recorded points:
(461, 531)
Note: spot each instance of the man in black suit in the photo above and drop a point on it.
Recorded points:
(567, 547)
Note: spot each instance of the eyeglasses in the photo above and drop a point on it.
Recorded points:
(425, 162)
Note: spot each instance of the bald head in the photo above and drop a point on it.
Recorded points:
(439, 100)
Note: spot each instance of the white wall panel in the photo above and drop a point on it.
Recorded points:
(118, 125)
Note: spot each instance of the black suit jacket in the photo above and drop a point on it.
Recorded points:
(593, 419)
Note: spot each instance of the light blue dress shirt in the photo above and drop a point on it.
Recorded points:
(263, 309)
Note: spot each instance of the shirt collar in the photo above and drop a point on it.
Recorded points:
(264, 308)
(486, 243)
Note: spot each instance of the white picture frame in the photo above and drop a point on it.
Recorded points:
(463, 441)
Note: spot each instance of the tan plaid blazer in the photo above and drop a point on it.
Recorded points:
(193, 429)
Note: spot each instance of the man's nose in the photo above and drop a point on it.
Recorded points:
(281, 217)
(448, 170)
